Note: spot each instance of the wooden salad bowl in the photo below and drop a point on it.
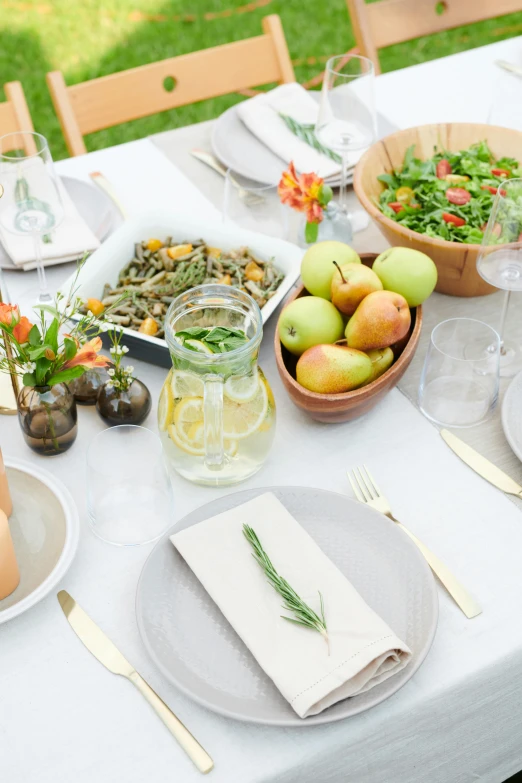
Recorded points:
(456, 262)
(349, 405)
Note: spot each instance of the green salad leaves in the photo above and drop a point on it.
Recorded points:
(448, 196)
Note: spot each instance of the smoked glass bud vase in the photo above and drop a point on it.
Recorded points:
(48, 418)
(216, 412)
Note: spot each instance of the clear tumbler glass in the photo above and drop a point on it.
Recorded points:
(129, 496)
(459, 383)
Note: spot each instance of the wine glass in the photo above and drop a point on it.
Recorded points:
(499, 262)
(346, 121)
(31, 204)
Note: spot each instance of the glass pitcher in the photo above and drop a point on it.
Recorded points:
(216, 411)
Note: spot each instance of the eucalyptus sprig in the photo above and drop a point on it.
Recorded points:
(304, 614)
(307, 134)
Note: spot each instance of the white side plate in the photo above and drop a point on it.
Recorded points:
(45, 528)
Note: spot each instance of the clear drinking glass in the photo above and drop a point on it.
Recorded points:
(347, 120)
(31, 205)
(499, 262)
(216, 412)
(254, 206)
(459, 382)
(129, 496)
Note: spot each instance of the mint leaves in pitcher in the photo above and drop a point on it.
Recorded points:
(212, 339)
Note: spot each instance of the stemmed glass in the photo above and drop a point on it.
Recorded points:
(347, 120)
(499, 262)
(31, 204)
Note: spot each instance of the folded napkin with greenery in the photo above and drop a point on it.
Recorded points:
(301, 619)
(69, 241)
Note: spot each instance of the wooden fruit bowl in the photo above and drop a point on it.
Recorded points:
(349, 405)
(456, 262)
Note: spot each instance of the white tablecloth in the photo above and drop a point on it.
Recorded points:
(63, 717)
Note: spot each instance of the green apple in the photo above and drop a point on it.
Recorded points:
(317, 267)
(308, 321)
(407, 272)
(332, 369)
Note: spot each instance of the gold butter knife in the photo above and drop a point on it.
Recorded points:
(481, 465)
(104, 650)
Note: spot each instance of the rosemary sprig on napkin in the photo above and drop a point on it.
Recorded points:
(304, 614)
(307, 134)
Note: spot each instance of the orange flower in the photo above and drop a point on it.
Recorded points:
(9, 314)
(22, 329)
(302, 192)
(87, 356)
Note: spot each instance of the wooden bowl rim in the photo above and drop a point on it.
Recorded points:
(380, 383)
(380, 217)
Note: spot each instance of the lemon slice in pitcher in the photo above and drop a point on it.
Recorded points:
(186, 384)
(189, 437)
(190, 409)
(241, 419)
(197, 345)
(241, 388)
(165, 407)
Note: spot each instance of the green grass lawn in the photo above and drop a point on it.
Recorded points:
(89, 38)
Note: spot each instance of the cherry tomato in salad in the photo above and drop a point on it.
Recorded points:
(458, 196)
(500, 173)
(396, 206)
(404, 195)
(455, 219)
(493, 190)
(443, 168)
(519, 237)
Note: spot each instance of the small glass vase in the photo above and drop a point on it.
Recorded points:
(334, 225)
(48, 418)
(124, 407)
(86, 388)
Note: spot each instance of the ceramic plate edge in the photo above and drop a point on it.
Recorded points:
(72, 537)
(323, 717)
(515, 447)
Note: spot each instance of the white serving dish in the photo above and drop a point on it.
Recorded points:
(45, 528)
(104, 264)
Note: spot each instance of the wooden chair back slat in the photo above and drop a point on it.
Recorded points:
(389, 22)
(15, 116)
(139, 92)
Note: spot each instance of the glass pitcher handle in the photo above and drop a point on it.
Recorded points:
(213, 421)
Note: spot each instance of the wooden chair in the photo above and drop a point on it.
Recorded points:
(388, 22)
(110, 100)
(14, 116)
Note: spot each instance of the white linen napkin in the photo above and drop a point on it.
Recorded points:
(261, 116)
(69, 240)
(364, 651)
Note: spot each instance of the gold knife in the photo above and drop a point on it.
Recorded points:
(104, 650)
(481, 465)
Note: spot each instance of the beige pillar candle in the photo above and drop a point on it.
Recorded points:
(9, 573)
(5, 496)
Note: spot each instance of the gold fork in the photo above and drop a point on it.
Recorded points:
(366, 491)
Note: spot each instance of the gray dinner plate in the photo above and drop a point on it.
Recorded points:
(238, 149)
(194, 646)
(512, 415)
(95, 207)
